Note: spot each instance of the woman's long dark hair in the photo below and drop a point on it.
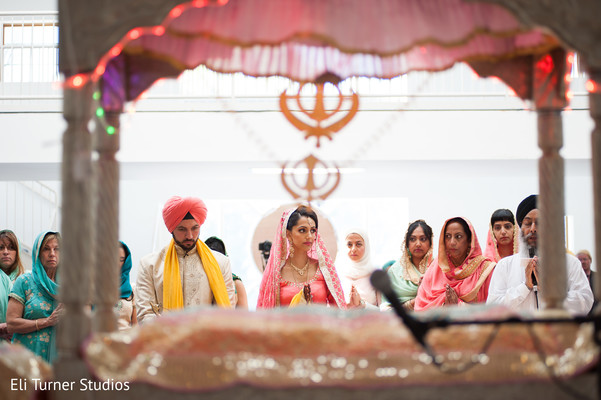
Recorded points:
(425, 227)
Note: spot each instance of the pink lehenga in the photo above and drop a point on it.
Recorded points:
(323, 288)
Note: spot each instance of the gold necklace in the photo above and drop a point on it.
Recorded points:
(300, 271)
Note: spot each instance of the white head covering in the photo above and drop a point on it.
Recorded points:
(358, 272)
(363, 267)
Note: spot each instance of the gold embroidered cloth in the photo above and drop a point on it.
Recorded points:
(18, 368)
(311, 346)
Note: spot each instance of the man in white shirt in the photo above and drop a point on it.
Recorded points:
(514, 280)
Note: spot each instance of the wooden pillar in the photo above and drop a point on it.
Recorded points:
(595, 110)
(551, 241)
(548, 92)
(76, 228)
(106, 265)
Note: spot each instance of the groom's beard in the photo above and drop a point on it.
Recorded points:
(187, 244)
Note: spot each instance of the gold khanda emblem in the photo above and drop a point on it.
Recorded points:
(313, 187)
(323, 121)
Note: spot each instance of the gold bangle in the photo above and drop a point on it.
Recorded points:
(36, 325)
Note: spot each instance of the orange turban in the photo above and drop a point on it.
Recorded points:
(177, 207)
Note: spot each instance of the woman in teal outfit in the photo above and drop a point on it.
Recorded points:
(125, 308)
(33, 308)
(406, 274)
(4, 290)
(10, 263)
(10, 259)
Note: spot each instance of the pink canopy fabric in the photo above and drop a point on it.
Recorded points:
(305, 39)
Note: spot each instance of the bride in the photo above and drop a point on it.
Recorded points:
(300, 269)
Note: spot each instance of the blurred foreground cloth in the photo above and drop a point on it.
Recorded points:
(211, 349)
(18, 364)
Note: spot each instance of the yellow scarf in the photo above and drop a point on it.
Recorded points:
(173, 295)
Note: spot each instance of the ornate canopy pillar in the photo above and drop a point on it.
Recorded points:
(90, 192)
(549, 96)
(551, 229)
(541, 79)
(76, 257)
(106, 266)
(595, 110)
(576, 25)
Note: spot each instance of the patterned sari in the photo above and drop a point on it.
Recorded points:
(405, 276)
(271, 284)
(470, 280)
(38, 294)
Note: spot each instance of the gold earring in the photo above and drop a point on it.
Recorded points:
(291, 248)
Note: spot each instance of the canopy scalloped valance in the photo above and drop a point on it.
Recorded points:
(306, 39)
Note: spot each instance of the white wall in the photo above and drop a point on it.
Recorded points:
(432, 190)
(444, 155)
(439, 164)
(29, 5)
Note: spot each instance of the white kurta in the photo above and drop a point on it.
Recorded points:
(195, 284)
(508, 286)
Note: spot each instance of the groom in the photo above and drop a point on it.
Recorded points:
(186, 272)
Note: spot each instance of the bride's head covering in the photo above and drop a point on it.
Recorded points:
(360, 268)
(269, 293)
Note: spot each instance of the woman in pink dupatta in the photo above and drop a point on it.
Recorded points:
(300, 269)
(461, 274)
(503, 235)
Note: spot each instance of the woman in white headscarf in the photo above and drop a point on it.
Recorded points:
(357, 270)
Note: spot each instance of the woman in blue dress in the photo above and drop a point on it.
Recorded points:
(33, 308)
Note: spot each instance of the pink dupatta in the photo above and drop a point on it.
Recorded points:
(269, 292)
(492, 251)
(470, 280)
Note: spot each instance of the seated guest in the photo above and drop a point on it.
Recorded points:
(460, 274)
(217, 244)
(10, 263)
(33, 308)
(10, 259)
(125, 308)
(357, 269)
(503, 236)
(407, 273)
(300, 269)
(5, 286)
(585, 259)
(514, 285)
